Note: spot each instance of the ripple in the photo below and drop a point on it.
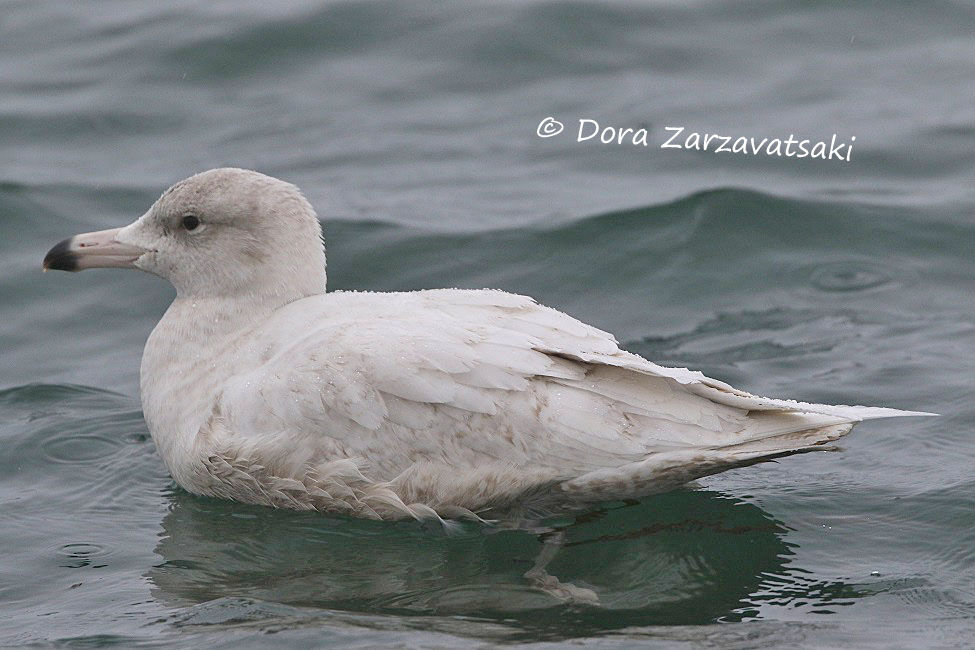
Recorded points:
(79, 449)
(82, 554)
(850, 276)
(753, 336)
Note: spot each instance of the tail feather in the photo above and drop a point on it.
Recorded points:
(667, 470)
(788, 443)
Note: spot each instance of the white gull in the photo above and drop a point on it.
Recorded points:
(259, 386)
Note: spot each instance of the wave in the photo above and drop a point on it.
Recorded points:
(714, 234)
(35, 392)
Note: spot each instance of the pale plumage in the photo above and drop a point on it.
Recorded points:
(260, 387)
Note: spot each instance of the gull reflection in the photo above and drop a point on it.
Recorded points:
(686, 557)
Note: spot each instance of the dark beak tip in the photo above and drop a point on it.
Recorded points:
(60, 257)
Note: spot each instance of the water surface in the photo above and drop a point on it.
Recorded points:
(411, 127)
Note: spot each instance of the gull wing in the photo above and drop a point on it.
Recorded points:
(435, 388)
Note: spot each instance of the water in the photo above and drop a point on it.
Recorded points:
(411, 126)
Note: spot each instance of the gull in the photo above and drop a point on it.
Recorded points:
(258, 385)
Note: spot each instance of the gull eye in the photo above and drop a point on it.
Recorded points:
(190, 222)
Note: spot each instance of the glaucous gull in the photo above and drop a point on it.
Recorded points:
(260, 386)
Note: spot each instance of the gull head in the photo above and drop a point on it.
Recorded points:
(221, 233)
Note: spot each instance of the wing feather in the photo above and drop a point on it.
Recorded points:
(467, 377)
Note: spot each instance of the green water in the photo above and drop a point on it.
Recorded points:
(412, 128)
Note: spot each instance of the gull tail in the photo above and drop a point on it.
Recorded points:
(769, 434)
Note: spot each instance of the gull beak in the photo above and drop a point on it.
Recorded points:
(92, 250)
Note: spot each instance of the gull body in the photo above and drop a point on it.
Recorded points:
(259, 386)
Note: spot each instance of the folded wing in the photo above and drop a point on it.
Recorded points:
(433, 390)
